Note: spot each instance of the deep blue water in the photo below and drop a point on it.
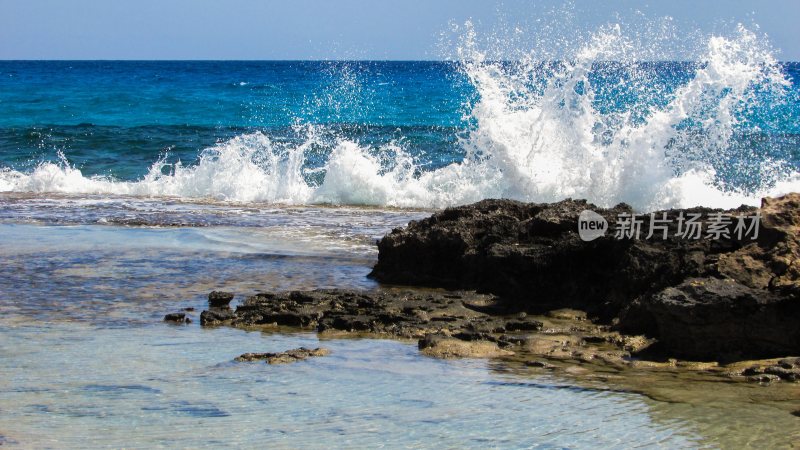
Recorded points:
(117, 117)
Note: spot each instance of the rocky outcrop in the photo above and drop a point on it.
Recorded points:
(721, 319)
(178, 317)
(447, 324)
(397, 313)
(722, 297)
(219, 299)
(745, 305)
(216, 316)
(730, 298)
(785, 369)
(289, 356)
(533, 255)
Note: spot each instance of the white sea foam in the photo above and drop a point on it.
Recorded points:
(539, 135)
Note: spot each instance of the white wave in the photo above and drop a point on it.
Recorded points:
(539, 136)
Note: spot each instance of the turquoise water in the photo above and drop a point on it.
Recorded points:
(87, 362)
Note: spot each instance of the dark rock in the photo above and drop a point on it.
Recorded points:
(397, 313)
(751, 371)
(178, 317)
(796, 413)
(289, 356)
(784, 374)
(790, 363)
(532, 254)
(531, 257)
(763, 378)
(527, 325)
(216, 316)
(714, 319)
(430, 340)
(541, 364)
(594, 339)
(219, 299)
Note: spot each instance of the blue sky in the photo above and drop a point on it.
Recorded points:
(318, 29)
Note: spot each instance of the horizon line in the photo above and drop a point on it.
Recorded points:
(2, 60)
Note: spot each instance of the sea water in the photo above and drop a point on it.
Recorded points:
(132, 189)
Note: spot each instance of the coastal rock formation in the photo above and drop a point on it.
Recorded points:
(721, 319)
(407, 314)
(219, 299)
(730, 298)
(450, 324)
(722, 295)
(447, 324)
(785, 369)
(533, 255)
(289, 356)
(440, 346)
(746, 304)
(216, 316)
(178, 317)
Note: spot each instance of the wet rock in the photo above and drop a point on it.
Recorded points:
(540, 364)
(289, 356)
(446, 347)
(217, 316)
(554, 346)
(721, 319)
(177, 317)
(763, 378)
(409, 314)
(792, 374)
(632, 343)
(787, 369)
(531, 256)
(523, 325)
(567, 314)
(219, 299)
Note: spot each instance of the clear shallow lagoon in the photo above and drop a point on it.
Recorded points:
(87, 361)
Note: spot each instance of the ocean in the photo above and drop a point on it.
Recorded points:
(129, 189)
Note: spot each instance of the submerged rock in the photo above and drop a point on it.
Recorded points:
(446, 347)
(289, 356)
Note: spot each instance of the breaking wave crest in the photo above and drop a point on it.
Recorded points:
(598, 124)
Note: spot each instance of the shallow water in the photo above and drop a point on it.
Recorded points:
(87, 361)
